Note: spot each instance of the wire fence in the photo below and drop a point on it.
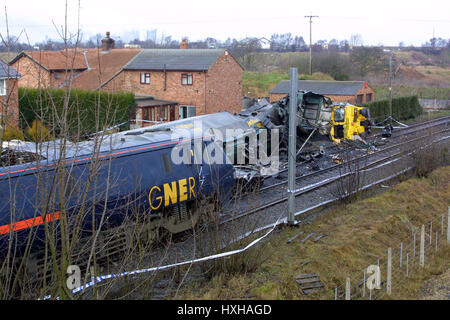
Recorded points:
(389, 273)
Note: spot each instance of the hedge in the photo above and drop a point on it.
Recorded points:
(85, 109)
(403, 108)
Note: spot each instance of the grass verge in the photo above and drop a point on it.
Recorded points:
(357, 235)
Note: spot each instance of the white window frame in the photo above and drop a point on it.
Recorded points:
(2, 87)
(190, 111)
(144, 78)
(188, 80)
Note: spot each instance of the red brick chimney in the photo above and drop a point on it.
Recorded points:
(107, 42)
(184, 44)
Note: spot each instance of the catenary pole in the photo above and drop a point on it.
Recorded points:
(292, 148)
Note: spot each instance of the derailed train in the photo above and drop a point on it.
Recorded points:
(94, 185)
(134, 167)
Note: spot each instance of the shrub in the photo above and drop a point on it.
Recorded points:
(38, 132)
(87, 111)
(12, 133)
(403, 108)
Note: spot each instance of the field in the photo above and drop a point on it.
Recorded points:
(415, 73)
(358, 234)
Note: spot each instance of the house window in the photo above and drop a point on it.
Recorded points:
(359, 99)
(186, 79)
(145, 78)
(3, 87)
(368, 97)
(158, 113)
(187, 112)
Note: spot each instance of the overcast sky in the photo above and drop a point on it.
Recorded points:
(378, 21)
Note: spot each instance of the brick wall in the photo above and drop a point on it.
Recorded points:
(10, 103)
(33, 76)
(224, 86)
(364, 91)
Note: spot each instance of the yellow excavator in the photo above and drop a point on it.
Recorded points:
(349, 122)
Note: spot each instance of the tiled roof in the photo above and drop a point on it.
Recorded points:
(346, 88)
(6, 57)
(175, 59)
(7, 72)
(56, 60)
(102, 67)
(150, 102)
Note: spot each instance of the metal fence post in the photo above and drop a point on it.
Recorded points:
(422, 247)
(431, 232)
(448, 226)
(364, 284)
(335, 293)
(347, 289)
(389, 272)
(407, 264)
(437, 234)
(414, 247)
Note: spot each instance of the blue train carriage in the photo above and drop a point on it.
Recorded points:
(132, 173)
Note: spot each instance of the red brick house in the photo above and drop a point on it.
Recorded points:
(9, 101)
(169, 83)
(200, 81)
(354, 92)
(48, 69)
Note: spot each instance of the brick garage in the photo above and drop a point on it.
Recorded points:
(354, 92)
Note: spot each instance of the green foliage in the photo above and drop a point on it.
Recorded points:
(12, 133)
(403, 108)
(368, 59)
(86, 111)
(259, 84)
(382, 92)
(38, 132)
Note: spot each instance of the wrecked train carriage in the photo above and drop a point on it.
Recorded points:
(132, 169)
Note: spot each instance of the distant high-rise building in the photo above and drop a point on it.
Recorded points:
(151, 35)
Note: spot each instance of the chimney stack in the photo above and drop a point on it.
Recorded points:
(107, 43)
(184, 44)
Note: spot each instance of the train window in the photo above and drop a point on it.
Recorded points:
(166, 161)
(339, 114)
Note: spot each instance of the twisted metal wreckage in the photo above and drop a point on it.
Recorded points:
(244, 136)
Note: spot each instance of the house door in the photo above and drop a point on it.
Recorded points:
(172, 113)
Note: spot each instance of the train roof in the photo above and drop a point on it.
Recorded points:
(159, 135)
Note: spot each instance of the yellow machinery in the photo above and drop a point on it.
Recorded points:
(349, 122)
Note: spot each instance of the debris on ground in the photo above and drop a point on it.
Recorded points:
(295, 237)
(309, 283)
(307, 237)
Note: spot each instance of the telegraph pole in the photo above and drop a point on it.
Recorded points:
(390, 88)
(310, 42)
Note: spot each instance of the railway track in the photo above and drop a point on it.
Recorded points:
(414, 129)
(263, 215)
(276, 193)
(316, 182)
